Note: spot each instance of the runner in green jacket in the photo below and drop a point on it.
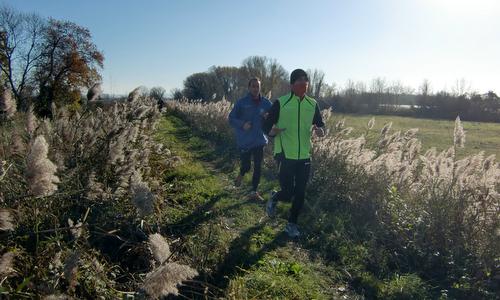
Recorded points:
(290, 121)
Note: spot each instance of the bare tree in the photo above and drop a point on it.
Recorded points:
(316, 82)
(461, 88)
(20, 49)
(360, 87)
(230, 82)
(255, 66)
(272, 75)
(277, 78)
(396, 88)
(378, 86)
(378, 90)
(425, 88)
(157, 93)
(329, 91)
(176, 93)
(350, 89)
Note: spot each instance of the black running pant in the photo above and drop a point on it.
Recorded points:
(293, 177)
(245, 158)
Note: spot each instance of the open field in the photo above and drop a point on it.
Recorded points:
(433, 133)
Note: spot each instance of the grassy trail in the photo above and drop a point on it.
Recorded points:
(239, 252)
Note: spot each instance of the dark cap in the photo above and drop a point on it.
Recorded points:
(297, 74)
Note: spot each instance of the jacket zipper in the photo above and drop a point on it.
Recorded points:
(298, 129)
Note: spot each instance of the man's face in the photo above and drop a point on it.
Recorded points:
(299, 87)
(254, 88)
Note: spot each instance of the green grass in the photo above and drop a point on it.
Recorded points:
(239, 252)
(242, 254)
(433, 133)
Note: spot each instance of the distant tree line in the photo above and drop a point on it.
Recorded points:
(231, 82)
(377, 97)
(470, 107)
(382, 98)
(45, 61)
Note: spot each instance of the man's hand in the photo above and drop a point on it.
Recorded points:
(275, 131)
(247, 125)
(319, 131)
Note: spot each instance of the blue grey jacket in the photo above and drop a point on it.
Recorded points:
(246, 109)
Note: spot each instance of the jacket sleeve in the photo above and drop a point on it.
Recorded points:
(234, 121)
(318, 119)
(272, 117)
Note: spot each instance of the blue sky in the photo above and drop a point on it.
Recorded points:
(159, 43)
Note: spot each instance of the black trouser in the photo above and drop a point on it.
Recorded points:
(293, 176)
(245, 158)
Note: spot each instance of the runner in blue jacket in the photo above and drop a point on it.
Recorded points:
(246, 119)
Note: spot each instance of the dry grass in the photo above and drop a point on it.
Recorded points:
(82, 188)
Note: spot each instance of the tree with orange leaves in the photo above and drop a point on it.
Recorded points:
(70, 62)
